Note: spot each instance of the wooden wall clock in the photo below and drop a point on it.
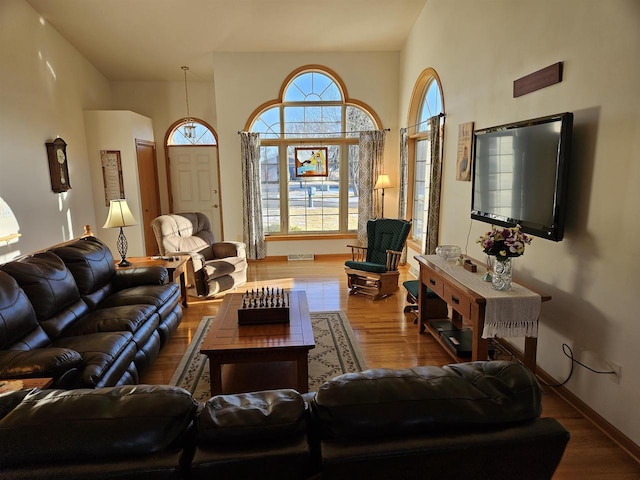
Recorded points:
(58, 168)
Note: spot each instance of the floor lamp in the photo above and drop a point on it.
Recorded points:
(382, 183)
(120, 216)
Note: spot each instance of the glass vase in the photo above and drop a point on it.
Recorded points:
(502, 273)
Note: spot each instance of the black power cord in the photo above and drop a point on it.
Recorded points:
(566, 347)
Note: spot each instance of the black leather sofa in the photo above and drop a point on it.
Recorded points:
(68, 314)
(471, 421)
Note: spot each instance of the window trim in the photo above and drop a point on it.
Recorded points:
(282, 141)
(415, 104)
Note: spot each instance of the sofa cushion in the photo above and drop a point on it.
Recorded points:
(123, 318)
(366, 266)
(156, 295)
(39, 362)
(47, 282)
(251, 417)
(105, 355)
(383, 402)
(106, 423)
(19, 328)
(91, 263)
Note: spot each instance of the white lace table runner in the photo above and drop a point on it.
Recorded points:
(511, 313)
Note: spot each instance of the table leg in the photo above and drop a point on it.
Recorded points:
(215, 374)
(479, 348)
(303, 373)
(530, 348)
(183, 283)
(183, 289)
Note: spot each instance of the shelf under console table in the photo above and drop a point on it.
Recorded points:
(473, 302)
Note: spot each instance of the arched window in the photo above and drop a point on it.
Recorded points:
(309, 154)
(191, 132)
(427, 102)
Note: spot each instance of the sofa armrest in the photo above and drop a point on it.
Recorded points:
(40, 362)
(134, 277)
(229, 249)
(106, 423)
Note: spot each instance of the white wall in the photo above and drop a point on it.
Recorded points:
(478, 50)
(164, 103)
(45, 84)
(117, 130)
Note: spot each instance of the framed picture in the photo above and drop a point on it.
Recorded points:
(112, 175)
(465, 145)
(311, 162)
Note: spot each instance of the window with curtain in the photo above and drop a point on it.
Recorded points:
(314, 113)
(428, 102)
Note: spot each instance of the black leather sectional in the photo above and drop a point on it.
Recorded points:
(475, 421)
(68, 314)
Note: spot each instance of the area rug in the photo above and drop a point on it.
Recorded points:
(336, 352)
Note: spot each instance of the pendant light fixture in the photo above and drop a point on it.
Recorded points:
(189, 127)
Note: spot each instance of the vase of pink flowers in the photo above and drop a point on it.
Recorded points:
(504, 243)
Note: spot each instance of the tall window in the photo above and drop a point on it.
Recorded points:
(309, 155)
(425, 104)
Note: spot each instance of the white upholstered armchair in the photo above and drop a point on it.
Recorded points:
(215, 267)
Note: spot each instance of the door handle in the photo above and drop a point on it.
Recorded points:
(215, 206)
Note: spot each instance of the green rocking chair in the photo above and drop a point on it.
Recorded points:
(373, 270)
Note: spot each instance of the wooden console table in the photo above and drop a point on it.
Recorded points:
(466, 304)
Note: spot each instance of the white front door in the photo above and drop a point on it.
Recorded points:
(195, 183)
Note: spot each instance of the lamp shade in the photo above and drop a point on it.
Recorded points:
(119, 215)
(382, 182)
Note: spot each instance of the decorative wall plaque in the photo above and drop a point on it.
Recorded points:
(465, 146)
(537, 80)
(112, 175)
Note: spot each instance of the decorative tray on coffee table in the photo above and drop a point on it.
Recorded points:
(266, 305)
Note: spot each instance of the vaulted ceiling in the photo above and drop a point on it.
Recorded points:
(148, 40)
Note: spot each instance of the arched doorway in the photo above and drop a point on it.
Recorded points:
(193, 171)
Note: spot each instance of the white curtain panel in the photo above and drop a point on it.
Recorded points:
(253, 231)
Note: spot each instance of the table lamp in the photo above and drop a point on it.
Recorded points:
(120, 216)
(382, 183)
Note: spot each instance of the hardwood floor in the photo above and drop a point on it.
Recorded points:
(389, 338)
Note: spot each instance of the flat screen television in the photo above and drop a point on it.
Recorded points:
(520, 173)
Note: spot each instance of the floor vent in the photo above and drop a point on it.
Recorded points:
(293, 257)
(414, 271)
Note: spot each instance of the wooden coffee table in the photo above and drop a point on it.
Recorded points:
(228, 343)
